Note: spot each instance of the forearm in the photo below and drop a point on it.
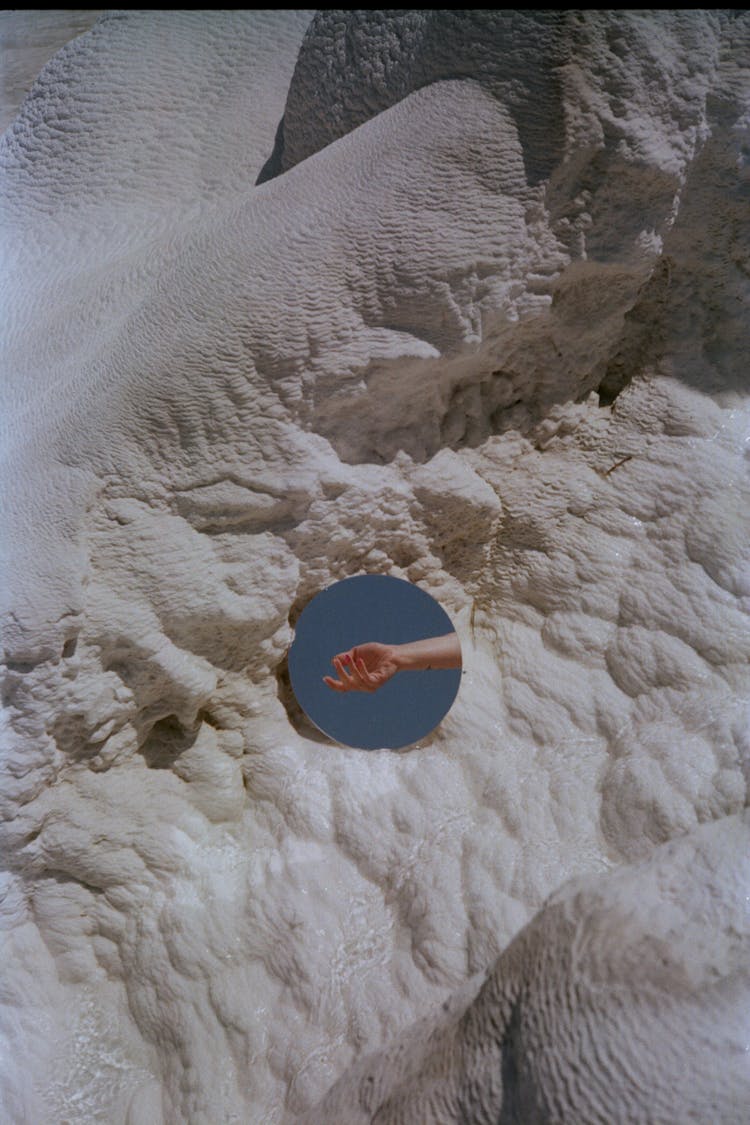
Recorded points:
(434, 652)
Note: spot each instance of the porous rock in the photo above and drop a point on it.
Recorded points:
(475, 317)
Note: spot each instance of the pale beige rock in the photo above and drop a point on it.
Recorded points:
(486, 332)
(593, 1010)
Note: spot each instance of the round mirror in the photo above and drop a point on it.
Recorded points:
(375, 663)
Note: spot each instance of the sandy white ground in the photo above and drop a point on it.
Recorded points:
(486, 333)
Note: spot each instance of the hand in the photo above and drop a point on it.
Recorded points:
(364, 667)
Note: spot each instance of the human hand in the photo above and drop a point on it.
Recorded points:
(364, 668)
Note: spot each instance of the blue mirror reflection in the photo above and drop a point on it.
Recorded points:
(375, 663)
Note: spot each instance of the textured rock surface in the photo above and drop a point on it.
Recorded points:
(592, 1011)
(485, 332)
(28, 40)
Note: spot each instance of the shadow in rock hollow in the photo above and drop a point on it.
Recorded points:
(167, 741)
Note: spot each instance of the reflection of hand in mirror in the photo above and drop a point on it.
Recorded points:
(364, 667)
(367, 667)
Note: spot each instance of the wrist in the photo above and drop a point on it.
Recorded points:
(404, 657)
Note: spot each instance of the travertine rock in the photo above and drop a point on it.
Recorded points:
(481, 324)
(593, 1011)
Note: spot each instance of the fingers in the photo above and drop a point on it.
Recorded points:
(353, 675)
(358, 675)
(345, 682)
(369, 681)
(335, 684)
(345, 668)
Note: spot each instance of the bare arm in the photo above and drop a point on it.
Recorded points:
(367, 667)
(434, 652)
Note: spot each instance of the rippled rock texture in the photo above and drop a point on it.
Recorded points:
(475, 315)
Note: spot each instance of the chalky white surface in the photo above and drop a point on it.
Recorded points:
(221, 396)
(29, 37)
(653, 954)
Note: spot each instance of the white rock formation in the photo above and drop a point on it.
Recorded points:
(482, 324)
(592, 1012)
(29, 37)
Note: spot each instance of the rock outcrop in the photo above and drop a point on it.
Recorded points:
(475, 316)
